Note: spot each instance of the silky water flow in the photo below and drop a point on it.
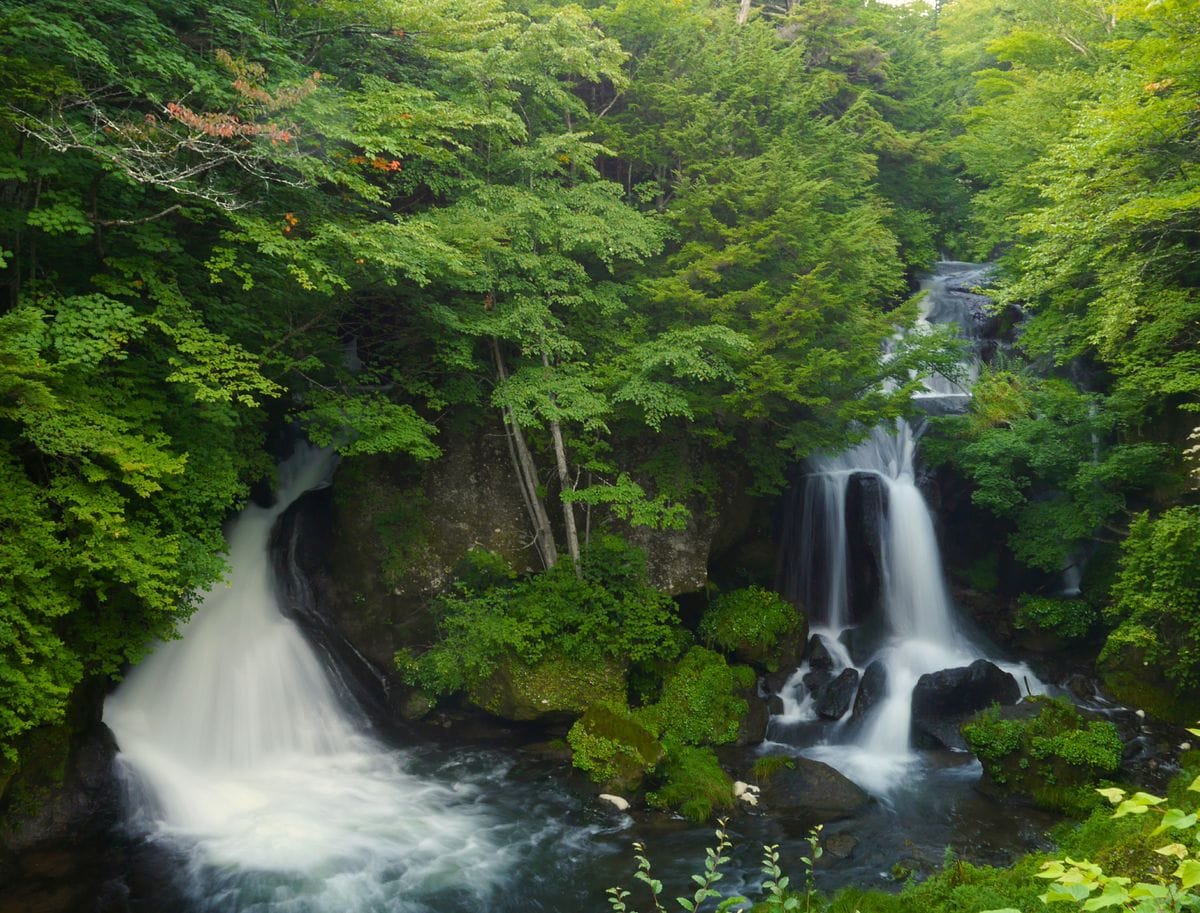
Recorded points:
(920, 632)
(240, 757)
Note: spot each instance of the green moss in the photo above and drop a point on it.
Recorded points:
(699, 703)
(27, 786)
(613, 748)
(751, 623)
(693, 784)
(1069, 619)
(1052, 758)
(556, 684)
(1131, 675)
(769, 765)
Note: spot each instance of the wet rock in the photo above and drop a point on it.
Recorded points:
(812, 791)
(775, 681)
(871, 690)
(836, 697)
(841, 846)
(1080, 686)
(775, 704)
(943, 700)
(862, 642)
(753, 727)
(866, 506)
(816, 681)
(819, 657)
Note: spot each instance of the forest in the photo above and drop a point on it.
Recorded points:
(651, 256)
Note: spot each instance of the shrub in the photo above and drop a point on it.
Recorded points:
(1157, 592)
(750, 622)
(699, 703)
(611, 612)
(1070, 619)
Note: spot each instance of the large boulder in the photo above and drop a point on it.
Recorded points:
(866, 507)
(943, 700)
(835, 698)
(811, 791)
(753, 727)
(818, 655)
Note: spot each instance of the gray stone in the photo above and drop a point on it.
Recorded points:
(871, 690)
(835, 698)
(942, 701)
(813, 792)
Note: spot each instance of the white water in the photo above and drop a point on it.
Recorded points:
(239, 752)
(922, 635)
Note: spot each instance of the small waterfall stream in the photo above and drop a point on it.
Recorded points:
(907, 618)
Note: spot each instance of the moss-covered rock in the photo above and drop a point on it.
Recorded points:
(755, 625)
(62, 788)
(1044, 752)
(700, 702)
(399, 529)
(554, 687)
(1133, 679)
(613, 748)
(693, 783)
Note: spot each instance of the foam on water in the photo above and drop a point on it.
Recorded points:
(239, 752)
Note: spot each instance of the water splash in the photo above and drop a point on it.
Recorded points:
(240, 753)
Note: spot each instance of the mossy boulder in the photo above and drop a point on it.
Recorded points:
(613, 748)
(62, 788)
(700, 702)
(757, 626)
(1043, 752)
(556, 687)
(398, 530)
(1132, 678)
(693, 783)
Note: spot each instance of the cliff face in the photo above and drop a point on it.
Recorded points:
(392, 534)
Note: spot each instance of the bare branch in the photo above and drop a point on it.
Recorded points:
(158, 215)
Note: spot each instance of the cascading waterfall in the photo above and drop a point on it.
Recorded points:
(920, 634)
(238, 751)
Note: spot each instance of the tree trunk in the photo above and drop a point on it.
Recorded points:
(743, 12)
(543, 534)
(565, 485)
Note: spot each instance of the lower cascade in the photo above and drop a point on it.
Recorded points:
(239, 753)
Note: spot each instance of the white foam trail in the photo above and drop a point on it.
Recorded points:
(241, 753)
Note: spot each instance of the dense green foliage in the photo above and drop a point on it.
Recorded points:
(1069, 619)
(610, 611)
(554, 217)
(749, 622)
(1052, 758)
(1157, 593)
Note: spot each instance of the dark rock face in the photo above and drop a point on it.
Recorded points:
(871, 690)
(862, 641)
(753, 728)
(819, 658)
(943, 700)
(866, 508)
(835, 698)
(813, 792)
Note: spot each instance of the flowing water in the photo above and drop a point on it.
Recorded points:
(911, 620)
(256, 783)
(241, 756)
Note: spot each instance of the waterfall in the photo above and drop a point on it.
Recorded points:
(919, 633)
(239, 753)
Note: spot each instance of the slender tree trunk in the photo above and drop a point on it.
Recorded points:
(565, 485)
(743, 12)
(543, 534)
